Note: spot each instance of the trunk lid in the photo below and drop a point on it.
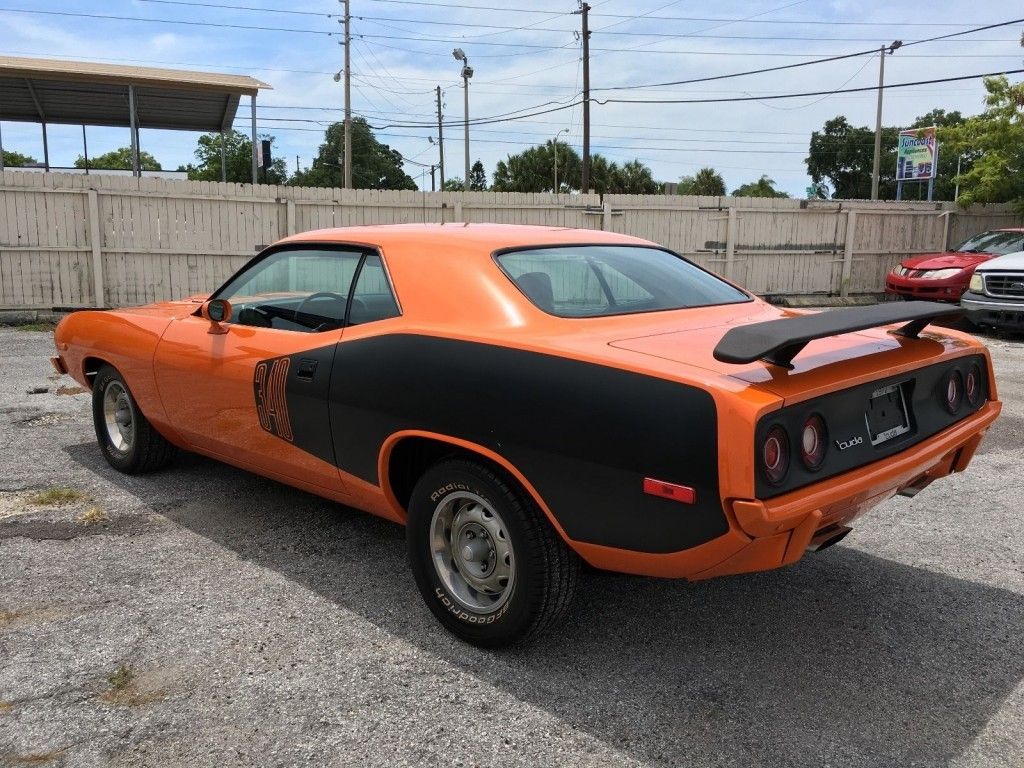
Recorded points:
(818, 366)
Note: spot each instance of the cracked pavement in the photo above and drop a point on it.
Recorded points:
(209, 617)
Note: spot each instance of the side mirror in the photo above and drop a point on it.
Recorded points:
(217, 311)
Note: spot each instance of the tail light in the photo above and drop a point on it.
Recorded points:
(813, 441)
(972, 385)
(953, 391)
(775, 455)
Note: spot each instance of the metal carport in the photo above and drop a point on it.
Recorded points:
(87, 93)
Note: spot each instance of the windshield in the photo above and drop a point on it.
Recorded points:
(997, 242)
(599, 280)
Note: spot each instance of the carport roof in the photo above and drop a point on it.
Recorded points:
(88, 93)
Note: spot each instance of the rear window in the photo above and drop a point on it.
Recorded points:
(599, 280)
(997, 242)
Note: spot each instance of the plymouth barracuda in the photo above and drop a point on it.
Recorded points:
(527, 399)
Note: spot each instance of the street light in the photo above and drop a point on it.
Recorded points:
(555, 146)
(878, 114)
(467, 72)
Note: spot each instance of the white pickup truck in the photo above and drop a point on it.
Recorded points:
(995, 297)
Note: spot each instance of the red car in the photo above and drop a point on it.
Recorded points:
(944, 276)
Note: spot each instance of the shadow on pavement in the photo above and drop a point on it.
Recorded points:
(844, 658)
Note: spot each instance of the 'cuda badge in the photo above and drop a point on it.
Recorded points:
(842, 445)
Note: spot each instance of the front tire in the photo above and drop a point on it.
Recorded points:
(486, 560)
(128, 441)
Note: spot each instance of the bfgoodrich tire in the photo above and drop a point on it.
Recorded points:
(486, 560)
(128, 441)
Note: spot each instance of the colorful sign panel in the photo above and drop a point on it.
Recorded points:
(917, 156)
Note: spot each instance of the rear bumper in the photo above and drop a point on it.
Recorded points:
(949, 289)
(1002, 313)
(781, 529)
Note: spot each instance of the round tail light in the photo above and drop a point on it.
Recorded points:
(813, 441)
(953, 391)
(775, 455)
(972, 385)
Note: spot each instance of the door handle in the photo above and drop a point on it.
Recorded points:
(306, 369)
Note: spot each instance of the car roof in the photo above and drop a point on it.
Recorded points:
(485, 237)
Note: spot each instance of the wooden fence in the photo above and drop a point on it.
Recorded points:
(69, 241)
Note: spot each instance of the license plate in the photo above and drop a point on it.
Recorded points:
(886, 415)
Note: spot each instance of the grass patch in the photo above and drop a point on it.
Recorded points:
(64, 389)
(33, 758)
(93, 516)
(121, 678)
(130, 689)
(42, 327)
(55, 497)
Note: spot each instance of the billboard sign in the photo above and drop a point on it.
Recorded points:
(917, 156)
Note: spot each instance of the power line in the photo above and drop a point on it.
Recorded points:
(167, 21)
(238, 7)
(469, 7)
(512, 116)
(870, 51)
(808, 93)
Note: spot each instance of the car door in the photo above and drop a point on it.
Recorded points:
(254, 390)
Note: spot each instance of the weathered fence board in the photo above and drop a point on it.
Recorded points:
(79, 241)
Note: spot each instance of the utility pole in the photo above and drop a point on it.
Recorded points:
(348, 100)
(467, 72)
(440, 137)
(585, 181)
(433, 180)
(878, 115)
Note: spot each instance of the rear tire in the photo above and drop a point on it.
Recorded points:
(485, 558)
(128, 441)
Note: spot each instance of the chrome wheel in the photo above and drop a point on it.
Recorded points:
(119, 416)
(472, 552)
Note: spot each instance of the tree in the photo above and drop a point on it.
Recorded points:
(533, 170)
(635, 178)
(707, 181)
(18, 160)
(454, 184)
(477, 177)
(238, 160)
(844, 155)
(119, 160)
(992, 143)
(374, 165)
(763, 187)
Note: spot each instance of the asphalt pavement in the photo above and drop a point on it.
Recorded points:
(204, 616)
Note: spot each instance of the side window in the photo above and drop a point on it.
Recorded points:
(302, 289)
(372, 298)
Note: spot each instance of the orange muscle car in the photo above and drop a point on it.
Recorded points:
(525, 398)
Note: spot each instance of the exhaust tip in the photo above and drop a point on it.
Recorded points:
(826, 537)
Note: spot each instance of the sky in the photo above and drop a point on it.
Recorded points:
(526, 59)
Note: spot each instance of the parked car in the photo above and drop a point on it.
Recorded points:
(944, 276)
(527, 398)
(995, 297)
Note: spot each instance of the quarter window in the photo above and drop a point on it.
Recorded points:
(372, 298)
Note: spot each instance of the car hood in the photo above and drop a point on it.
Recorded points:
(1009, 261)
(818, 366)
(947, 260)
(169, 309)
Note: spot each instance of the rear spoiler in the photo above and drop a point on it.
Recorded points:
(777, 342)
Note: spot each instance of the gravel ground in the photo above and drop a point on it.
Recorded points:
(205, 616)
